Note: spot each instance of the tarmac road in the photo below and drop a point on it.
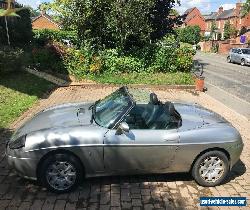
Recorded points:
(229, 83)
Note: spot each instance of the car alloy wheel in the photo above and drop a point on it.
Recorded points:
(61, 175)
(242, 62)
(211, 168)
(228, 59)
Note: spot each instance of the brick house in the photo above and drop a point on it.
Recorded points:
(44, 21)
(234, 16)
(193, 17)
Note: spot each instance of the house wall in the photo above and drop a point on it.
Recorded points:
(44, 23)
(224, 46)
(195, 18)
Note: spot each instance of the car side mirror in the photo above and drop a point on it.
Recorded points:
(123, 128)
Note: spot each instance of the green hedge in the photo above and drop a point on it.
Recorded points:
(44, 35)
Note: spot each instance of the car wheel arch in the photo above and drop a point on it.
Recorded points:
(209, 150)
(54, 152)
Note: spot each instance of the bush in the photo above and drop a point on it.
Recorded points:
(189, 34)
(41, 37)
(115, 63)
(82, 62)
(165, 56)
(11, 59)
(172, 58)
(50, 58)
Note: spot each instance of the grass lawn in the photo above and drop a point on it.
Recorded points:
(178, 78)
(18, 92)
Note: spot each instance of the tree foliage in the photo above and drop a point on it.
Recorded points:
(117, 23)
(189, 34)
(246, 7)
(19, 27)
(229, 30)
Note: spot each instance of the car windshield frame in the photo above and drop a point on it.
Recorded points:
(99, 106)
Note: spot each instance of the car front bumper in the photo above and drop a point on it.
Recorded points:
(24, 166)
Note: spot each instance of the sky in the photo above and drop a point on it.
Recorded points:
(205, 6)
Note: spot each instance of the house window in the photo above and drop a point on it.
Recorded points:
(219, 25)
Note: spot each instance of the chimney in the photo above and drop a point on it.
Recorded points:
(238, 8)
(220, 10)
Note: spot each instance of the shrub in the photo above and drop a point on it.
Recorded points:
(11, 59)
(82, 62)
(170, 57)
(50, 58)
(115, 63)
(165, 56)
(41, 37)
(189, 34)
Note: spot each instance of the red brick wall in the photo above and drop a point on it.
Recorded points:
(44, 23)
(195, 18)
(246, 20)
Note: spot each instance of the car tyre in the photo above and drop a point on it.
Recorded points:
(228, 59)
(61, 173)
(211, 168)
(243, 63)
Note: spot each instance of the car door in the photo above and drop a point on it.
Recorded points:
(232, 55)
(238, 56)
(140, 148)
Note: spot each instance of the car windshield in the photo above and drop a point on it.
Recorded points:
(246, 51)
(107, 111)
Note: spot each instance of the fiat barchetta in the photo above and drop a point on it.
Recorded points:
(128, 132)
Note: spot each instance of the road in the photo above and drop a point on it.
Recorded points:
(227, 82)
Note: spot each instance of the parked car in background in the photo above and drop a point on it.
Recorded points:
(128, 132)
(239, 55)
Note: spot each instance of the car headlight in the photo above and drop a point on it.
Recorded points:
(18, 143)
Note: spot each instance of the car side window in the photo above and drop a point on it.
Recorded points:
(149, 116)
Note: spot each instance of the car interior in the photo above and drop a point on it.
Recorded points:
(154, 115)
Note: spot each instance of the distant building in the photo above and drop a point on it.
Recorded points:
(4, 4)
(193, 17)
(234, 16)
(44, 21)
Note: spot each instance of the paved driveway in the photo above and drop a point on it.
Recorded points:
(172, 191)
(227, 82)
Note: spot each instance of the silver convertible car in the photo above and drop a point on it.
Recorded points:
(128, 132)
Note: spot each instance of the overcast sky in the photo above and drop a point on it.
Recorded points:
(205, 6)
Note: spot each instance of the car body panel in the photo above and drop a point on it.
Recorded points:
(103, 151)
(140, 150)
(236, 55)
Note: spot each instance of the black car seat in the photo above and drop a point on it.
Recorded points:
(154, 99)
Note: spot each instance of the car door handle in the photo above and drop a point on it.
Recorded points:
(172, 139)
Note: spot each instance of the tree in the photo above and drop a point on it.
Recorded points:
(160, 20)
(9, 12)
(189, 34)
(174, 12)
(18, 30)
(243, 30)
(116, 23)
(246, 7)
(227, 30)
